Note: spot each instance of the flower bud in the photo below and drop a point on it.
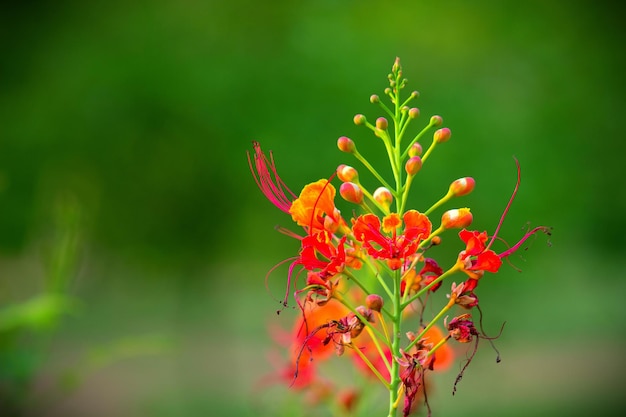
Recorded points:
(381, 123)
(396, 66)
(374, 98)
(436, 121)
(374, 302)
(462, 328)
(462, 186)
(415, 94)
(442, 135)
(346, 144)
(351, 192)
(383, 197)
(346, 173)
(359, 119)
(456, 218)
(414, 112)
(366, 312)
(415, 150)
(413, 165)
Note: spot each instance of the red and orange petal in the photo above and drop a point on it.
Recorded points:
(309, 343)
(315, 200)
(367, 227)
(487, 261)
(417, 226)
(391, 223)
(474, 242)
(333, 258)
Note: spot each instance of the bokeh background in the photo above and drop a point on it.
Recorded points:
(134, 243)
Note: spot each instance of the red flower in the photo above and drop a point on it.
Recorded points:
(476, 257)
(462, 328)
(416, 280)
(387, 244)
(320, 244)
(414, 365)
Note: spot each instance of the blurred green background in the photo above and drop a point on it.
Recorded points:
(134, 243)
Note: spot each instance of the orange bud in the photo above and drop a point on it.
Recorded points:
(442, 135)
(346, 144)
(462, 186)
(359, 119)
(346, 173)
(351, 192)
(413, 165)
(374, 302)
(414, 112)
(456, 218)
(381, 123)
(415, 149)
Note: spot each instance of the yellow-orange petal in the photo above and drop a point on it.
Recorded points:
(315, 199)
(316, 316)
(444, 355)
(391, 222)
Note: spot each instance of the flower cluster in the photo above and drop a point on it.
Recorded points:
(361, 284)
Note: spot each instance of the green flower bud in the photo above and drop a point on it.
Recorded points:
(436, 121)
(374, 98)
(414, 113)
(415, 149)
(359, 119)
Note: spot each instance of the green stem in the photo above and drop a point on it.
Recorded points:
(429, 151)
(380, 279)
(429, 286)
(371, 169)
(369, 364)
(376, 332)
(435, 319)
(441, 201)
(405, 192)
(395, 346)
(438, 345)
(415, 139)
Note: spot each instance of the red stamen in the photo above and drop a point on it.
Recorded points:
(267, 179)
(508, 206)
(544, 229)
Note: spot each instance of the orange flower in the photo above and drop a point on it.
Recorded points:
(444, 355)
(309, 334)
(315, 204)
